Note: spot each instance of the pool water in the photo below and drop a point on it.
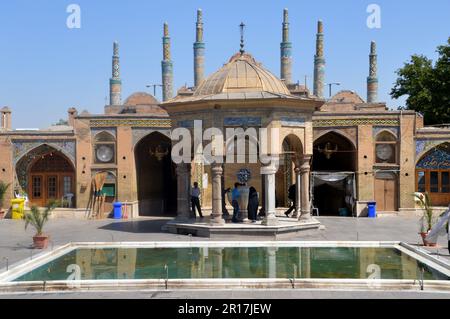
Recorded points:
(233, 262)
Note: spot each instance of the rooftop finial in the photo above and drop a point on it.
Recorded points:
(285, 15)
(199, 33)
(373, 47)
(166, 29)
(319, 26)
(242, 25)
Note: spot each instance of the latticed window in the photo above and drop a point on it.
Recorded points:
(104, 148)
(386, 148)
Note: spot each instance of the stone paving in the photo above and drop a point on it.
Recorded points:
(15, 244)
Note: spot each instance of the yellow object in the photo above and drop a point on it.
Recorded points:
(18, 205)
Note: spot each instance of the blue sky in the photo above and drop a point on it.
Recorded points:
(46, 68)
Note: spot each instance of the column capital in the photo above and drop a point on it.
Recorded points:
(268, 170)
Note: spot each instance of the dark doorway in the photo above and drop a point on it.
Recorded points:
(156, 178)
(334, 162)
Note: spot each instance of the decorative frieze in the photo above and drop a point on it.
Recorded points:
(355, 122)
(157, 123)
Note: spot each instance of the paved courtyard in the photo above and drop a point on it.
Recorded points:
(15, 245)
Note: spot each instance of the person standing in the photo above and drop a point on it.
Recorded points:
(253, 203)
(235, 194)
(292, 195)
(195, 200)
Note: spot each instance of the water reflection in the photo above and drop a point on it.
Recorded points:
(230, 262)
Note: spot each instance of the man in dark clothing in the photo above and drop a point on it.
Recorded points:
(195, 200)
(253, 202)
(292, 195)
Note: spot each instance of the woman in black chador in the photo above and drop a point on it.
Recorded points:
(253, 202)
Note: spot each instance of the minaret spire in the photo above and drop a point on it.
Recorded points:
(199, 51)
(319, 63)
(115, 84)
(167, 66)
(372, 79)
(286, 48)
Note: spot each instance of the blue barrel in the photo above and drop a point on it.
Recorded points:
(117, 210)
(372, 209)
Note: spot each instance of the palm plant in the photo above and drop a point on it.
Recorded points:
(424, 201)
(37, 218)
(3, 189)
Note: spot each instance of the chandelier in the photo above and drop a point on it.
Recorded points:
(159, 152)
(328, 150)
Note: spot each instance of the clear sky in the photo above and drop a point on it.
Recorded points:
(46, 68)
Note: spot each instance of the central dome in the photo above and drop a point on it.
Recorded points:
(241, 74)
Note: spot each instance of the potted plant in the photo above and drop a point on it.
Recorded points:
(3, 189)
(37, 219)
(427, 220)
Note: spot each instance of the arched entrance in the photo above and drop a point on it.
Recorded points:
(333, 178)
(433, 174)
(156, 177)
(51, 176)
(292, 151)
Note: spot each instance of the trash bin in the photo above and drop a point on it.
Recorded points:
(117, 210)
(372, 209)
(18, 206)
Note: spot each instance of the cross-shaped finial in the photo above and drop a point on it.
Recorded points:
(242, 25)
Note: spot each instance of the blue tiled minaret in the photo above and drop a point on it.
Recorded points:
(372, 79)
(167, 66)
(199, 51)
(115, 84)
(286, 48)
(319, 63)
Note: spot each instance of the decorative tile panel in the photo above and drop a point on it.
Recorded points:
(242, 121)
(355, 122)
(163, 123)
(292, 121)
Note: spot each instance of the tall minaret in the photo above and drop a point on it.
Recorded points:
(372, 79)
(199, 51)
(319, 63)
(286, 48)
(115, 84)
(167, 67)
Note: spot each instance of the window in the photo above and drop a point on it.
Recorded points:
(67, 185)
(104, 148)
(434, 182)
(421, 182)
(386, 148)
(52, 186)
(445, 181)
(37, 186)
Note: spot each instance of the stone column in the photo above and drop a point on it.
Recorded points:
(298, 192)
(183, 186)
(269, 192)
(305, 198)
(216, 215)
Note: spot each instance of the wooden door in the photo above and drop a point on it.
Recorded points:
(37, 194)
(379, 194)
(386, 192)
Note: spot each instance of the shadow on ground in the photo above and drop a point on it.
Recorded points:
(138, 226)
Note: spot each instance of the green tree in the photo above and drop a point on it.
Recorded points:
(426, 85)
